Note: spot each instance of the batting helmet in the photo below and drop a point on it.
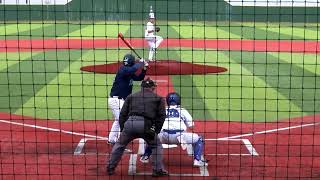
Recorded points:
(173, 99)
(148, 83)
(128, 60)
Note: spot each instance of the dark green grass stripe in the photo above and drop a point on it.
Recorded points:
(20, 82)
(51, 31)
(293, 82)
(255, 33)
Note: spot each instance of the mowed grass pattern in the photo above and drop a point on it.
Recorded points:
(258, 86)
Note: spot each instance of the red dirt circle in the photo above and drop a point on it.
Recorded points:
(160, 67)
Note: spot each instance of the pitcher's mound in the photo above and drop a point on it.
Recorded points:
(160, 67)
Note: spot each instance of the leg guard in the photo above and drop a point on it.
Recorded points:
(198, 148)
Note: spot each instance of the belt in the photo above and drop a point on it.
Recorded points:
(172, 131)
(116, 97)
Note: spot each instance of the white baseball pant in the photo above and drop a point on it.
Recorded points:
(153, 42)
(178, 138)
(115, 105)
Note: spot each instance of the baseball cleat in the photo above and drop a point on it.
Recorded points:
(199, 163)
(127, 151)
(144, 159)
(159, 173)
(110, 143)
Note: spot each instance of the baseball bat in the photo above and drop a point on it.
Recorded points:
(120, 35)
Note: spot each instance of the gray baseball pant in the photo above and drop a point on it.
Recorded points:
(134, 128)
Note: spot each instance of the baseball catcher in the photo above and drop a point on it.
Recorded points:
(174, 131)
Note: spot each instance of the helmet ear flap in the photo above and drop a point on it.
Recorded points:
(125, 61)
(128, 60)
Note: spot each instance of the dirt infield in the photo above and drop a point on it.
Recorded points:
(294, 46)
(159, 68)
(49, 149)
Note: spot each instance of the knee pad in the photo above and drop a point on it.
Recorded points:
(201, 139)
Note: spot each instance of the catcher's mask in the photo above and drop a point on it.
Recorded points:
(173, 99)
(148, 83)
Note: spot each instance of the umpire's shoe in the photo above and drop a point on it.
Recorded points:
(158, 173)
(110, 171)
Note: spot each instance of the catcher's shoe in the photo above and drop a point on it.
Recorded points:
(199, 163)
(144, 159)
(110, 143)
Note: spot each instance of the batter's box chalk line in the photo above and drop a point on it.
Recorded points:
(83, 141)
(132, 170)
(252, 151)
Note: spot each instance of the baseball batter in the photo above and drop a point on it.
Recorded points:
(152, 39)
(174, 130)
(121, 88)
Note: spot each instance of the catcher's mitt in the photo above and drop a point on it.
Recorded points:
(157, 29)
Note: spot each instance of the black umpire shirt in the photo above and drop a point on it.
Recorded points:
(144, 103)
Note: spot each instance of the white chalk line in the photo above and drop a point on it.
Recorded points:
(132, 169)
(267, 131)
(54, 129)
(246, 142)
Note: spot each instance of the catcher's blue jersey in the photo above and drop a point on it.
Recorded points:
(177, 118)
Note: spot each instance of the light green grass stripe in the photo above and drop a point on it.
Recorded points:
(11, 58)
(196, 31)
(277, 24)
(27, 77)
(236, 95)
(43, 31)
(255, 31)
(19, 29)
(45, 71)
(295, 83)
(76, 95)
(54, 96)
(99, 31)
(294, 32)
(309, 62)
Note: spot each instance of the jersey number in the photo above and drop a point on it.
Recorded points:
(172, 113)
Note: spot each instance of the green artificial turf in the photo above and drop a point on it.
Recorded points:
(258, 86)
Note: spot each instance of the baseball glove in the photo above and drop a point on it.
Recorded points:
(157, 29)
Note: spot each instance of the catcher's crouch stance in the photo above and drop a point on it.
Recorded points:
(174, 131)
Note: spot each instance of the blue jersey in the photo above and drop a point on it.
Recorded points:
(123, 82)
(177, 118)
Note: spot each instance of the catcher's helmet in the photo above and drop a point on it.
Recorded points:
(148, 83)
(173, 99)
(128, 60)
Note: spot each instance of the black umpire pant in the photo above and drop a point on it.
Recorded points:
(134, 128)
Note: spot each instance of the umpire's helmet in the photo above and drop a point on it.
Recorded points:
(173, 99)
(148, 83)
(128, 60)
